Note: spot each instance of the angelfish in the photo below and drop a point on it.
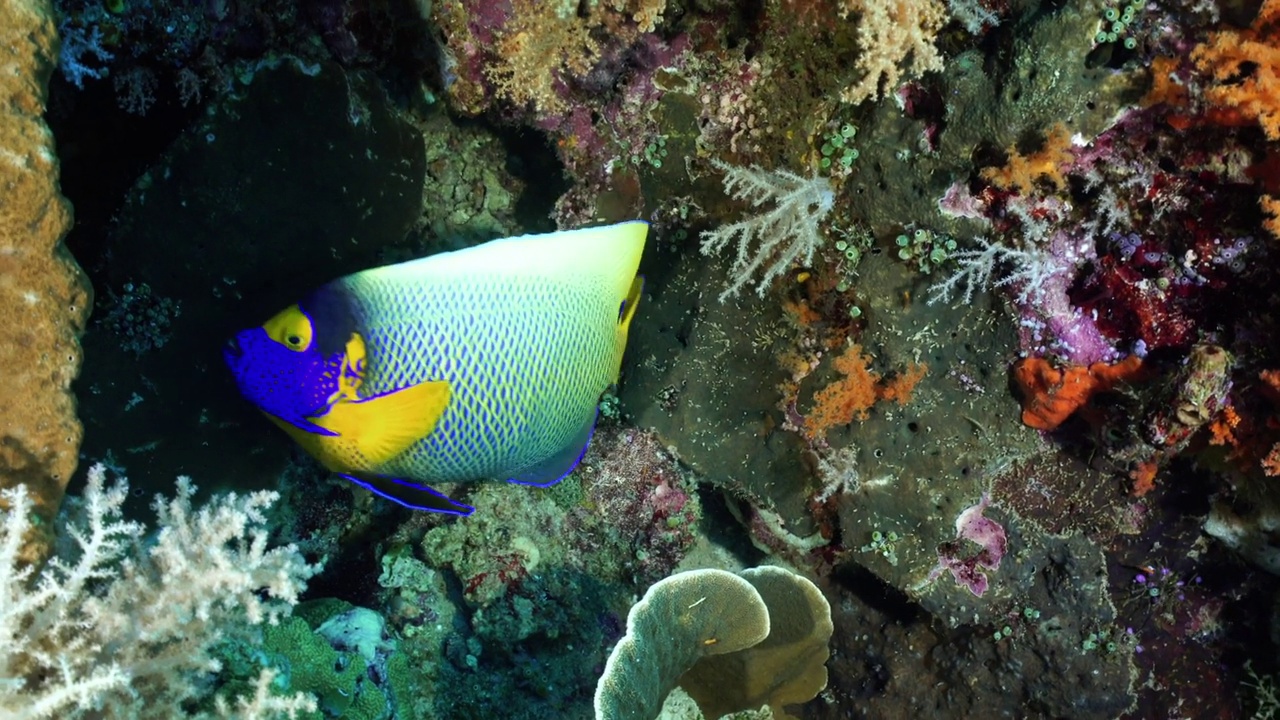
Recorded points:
(484, 363)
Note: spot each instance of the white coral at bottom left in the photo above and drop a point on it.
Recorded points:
(120, 623)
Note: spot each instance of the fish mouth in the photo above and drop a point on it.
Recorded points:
(232, 350)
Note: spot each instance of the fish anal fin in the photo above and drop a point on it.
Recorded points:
(409, 494)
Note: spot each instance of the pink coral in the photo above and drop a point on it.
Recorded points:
(969, 569)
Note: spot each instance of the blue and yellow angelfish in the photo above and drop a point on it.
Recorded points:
(483, 363)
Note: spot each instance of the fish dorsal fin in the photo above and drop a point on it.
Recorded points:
(385, 425)
(624, 323)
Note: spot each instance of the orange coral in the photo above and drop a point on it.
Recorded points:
(1222, 429)
(852, 396)
(1246, 67)
(1271, 210)
(1023, 171)
(1270, 388)
(899, 387)
(1050, 395)
(1144, 477)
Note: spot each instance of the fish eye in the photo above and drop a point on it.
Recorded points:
(293, 340)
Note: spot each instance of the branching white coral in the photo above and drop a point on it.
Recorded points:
(117, 627)
(772, 240)
(1027, 268)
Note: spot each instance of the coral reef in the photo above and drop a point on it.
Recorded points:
(1007, 387)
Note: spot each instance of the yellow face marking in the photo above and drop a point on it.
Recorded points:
(351, 374)
(291, 328)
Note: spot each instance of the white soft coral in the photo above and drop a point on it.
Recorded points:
(116, 628)
(787, 232)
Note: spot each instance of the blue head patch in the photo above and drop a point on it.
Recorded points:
(295, 368)
(288, 384)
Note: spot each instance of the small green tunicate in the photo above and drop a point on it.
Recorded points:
(1127, 17)
(905, 253)
(852, 254)
(841, 245)
(827, 148)
(842, 286)
(1111, 37)
(1111, 14)
(825, 163)
(855, 312)
(1111, 647)
(1006, 630)
(902, 240)
(1101, 37)
(848, 130)
(1117, 28)
(875, 534)
(937, 255)
(837, 141)
(1130, 43)
(853, 152)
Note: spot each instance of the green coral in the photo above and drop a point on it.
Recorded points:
(338, 680)
(307, 661)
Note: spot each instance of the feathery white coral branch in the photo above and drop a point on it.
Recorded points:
(1027, 268)
(111, 627)
(773, 239)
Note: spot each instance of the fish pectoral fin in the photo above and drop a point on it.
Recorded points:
(383, 426)
(555, 468)
(409, 494)
(300, 425)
